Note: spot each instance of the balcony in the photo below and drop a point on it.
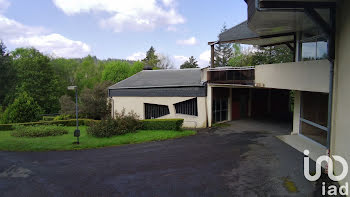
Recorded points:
(231, 75)
(310, 76)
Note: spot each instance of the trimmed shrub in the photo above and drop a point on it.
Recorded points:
(63, 117)
(105, 128)
(71, 122)
(48, 118)
(162, 124)
(23, 109)
(122, 124)
(38, 131)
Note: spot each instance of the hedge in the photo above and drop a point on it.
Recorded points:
(48, 118)
(71, 122)
(162, 124)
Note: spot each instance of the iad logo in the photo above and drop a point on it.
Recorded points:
(332, 189)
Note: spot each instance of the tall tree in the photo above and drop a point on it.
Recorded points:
(7, 74)
(36, 77)
(165, 62)
(116, 71)
(190, 63)
(151, 58)
(223, 52)
(88, 73)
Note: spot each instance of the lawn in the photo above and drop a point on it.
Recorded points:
(65, 142)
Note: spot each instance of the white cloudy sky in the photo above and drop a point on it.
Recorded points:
(118, 28)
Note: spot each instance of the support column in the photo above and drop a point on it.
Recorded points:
(212, 55)
(296, 114)
(209, 105)
(229, 105)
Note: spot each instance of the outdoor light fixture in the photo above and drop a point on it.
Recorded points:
(77, 131)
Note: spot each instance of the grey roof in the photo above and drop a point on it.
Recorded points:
(242, 34)
(238, 32)
(161, 78)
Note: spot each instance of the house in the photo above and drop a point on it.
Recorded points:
(317, 31)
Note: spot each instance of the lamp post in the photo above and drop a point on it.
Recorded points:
(77, 131)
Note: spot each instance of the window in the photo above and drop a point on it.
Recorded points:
(314, 48)
(155, 111)
(188, 107)
(220, 109)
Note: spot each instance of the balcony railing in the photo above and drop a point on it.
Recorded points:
(232, 75)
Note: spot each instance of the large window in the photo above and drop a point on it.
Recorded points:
(188, 107)
(314, 114)
(220, 109)
(155, 111)
(314, 48)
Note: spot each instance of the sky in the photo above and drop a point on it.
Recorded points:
(121, 29)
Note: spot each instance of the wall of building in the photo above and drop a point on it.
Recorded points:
(341, 100)
(136, 104)
(310, 76)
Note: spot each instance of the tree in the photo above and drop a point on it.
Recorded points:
(88, 73)
(223, 52)
(67, 105)
(165, 62)
(7, 74)
(116, 71)
(65, 69)
(151, 58)
(190, 63)
(23, 109)
(136, 67)
(94, 102)
(36, 77)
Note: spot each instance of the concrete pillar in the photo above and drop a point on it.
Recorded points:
(296, 113)
(209, 104)
(229, 117)
(250, 101)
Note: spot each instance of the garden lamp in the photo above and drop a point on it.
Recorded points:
(77, 131)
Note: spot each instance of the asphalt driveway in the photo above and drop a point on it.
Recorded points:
(244, 159)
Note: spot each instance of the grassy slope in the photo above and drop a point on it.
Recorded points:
(64, 142)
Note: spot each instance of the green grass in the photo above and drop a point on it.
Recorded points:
(65, 142)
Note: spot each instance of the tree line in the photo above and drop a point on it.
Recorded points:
(33, 83)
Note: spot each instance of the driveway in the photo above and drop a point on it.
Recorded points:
(243, 159)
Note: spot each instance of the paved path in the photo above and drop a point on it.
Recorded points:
(244, 159)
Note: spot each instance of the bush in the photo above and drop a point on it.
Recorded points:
(23, 109)
(48, 118)
(122, 124)
(71, 122)
(63, 117)
(38, 131)
(162, 124)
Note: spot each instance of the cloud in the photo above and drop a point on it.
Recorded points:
(19, 35)
(136, 56)
(191, 41)
(204, 59)
(55, 44)
(134, 15)
(179, 59)
(4, 4)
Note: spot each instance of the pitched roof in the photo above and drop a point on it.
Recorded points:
(161, 78)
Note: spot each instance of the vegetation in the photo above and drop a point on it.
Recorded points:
(121, 124)
(151, 58)
(190, 63)
(38, 131)
(23, 109)
(70, 122)
(162, 124)
(65, 142)
(94, 102)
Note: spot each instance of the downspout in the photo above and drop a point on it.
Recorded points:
(331, 54)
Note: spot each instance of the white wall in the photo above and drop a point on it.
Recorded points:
(341, 99)
(310, 76)
(136, 104)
